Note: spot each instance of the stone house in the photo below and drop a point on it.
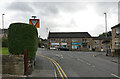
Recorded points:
(75, 41)
(116, 39)
(107, 43)
(97, 44)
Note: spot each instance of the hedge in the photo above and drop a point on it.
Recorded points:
(22, 36)
(4, 42)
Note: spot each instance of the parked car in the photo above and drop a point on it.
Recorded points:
(63, 48)
(42, 46)
(53, 48)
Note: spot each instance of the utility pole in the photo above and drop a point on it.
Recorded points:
(3, 24)
(106, 33)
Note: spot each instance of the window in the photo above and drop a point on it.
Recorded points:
(117, 43)
(84, 40)
(74, 46)
(74, 40)
(52, 40)
(84, 46)
(117, 32)
(96, 41)
(63, 40)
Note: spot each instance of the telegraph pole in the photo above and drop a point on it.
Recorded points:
(106, 32)
(3, 23)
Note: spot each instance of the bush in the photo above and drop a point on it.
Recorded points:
(4, 42)
(22, 37)
(39, 43)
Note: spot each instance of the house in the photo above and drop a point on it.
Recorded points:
(115, 39)
(75, 41)
(97, 44)
(42, 42)
(107, 44)
(3, 32)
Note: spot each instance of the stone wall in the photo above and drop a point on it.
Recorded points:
(13, 64)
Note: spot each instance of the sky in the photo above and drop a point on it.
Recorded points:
(61, 15)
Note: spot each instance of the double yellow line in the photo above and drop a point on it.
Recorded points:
(60, 70)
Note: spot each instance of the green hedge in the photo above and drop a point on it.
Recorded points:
(22, 37)
(4, 42)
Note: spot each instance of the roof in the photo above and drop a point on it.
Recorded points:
(69, 35)
(118, 25)
(97, 38)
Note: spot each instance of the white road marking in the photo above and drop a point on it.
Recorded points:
(80, 60)
(88, 63)
(115, 75)
(60, 56)
(85, 62)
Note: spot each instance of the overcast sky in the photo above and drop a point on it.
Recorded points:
(60, 16)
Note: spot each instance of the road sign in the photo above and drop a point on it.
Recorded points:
(34, 22)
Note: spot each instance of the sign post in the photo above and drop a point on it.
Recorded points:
(25, 63)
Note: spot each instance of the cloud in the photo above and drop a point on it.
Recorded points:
(20, 6)
(108, 7)
(64, 16)
(80, 16)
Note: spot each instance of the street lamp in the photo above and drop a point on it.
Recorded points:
(3, 23)
(106, 32)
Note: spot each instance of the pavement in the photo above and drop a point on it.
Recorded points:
(43, 67)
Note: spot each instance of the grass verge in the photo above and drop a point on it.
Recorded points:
(4, 50)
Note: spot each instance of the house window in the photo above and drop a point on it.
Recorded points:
(84, 46)
(74, 46)
(117, 32)
(96, 41)
(84, 40)
(52, 40)
(117, 43)
(63, 40)
(74, 40)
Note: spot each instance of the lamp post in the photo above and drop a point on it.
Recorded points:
(106, 32)
(3, 23)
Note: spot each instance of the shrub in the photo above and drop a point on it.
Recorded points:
(22, 37)
(4, 42)
(39, 43)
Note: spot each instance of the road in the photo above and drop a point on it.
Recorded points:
(80, 64)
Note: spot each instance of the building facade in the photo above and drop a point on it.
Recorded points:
(75, 41)
(116, 39)
(106, 43)
(97, 44)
